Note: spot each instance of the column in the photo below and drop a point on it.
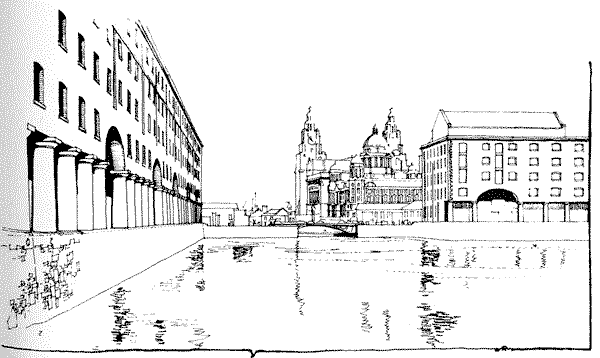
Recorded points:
(176, 208)
(521, 212)
(44, 190)
(546, 213)
(158, 205)
(151, 187)
(85, 194)
(99, 196)
(474, 212)
(567, 212)
(138, 201)
(66, 190)
(131, 200)
(119, 210)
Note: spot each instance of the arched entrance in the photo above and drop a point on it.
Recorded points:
(497, 205)
(116, 191)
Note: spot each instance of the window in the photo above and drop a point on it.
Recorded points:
(556, 176)
(485, 176)
(149, 124)
(96, 68)
(485, 161)
(129, 145)
(120, 92)
(499, 148)
(137, 112)
(38, 84)
(129, 61)
(62, 101)
(128, 101)
(81, 114)
(120, 49)
(149, 158)
(62, 30)
(462, 147)
(534, 192)
(578, 176)
(578, 192)
(462, 191)
(137, 72)
(499, 176)
(512, 160)
(462, 175)
(534, 176)
(512, 176)
(579, 147)
(485, 146)
(578, 162)
(534, 162)
(462, 162)
(143, 155)
(555, 192)
(81, 53)
(556, 162)
(96, 124)
(137, 151)
(109, 81)
(556, 147)
(534, 147)
(512, 146)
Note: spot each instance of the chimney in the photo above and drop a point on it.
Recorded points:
(264, 208)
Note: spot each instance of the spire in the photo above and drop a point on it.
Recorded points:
(390, 114)
(375, 131)
(308, 118)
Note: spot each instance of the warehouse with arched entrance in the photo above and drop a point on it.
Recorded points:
(497, 205)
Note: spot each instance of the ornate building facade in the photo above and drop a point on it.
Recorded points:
(373, 186)
(99, 135)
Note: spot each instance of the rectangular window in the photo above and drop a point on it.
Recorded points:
(137, 151)
(534, 192)
(81, 114)
(81, 53)
(556, 176)
(499, 148)
(143, 155)
(534, 147)
(578, 192)
(62, 30)
(555, 192)
(38, 84)
(578, 162)
(96, 68)
(534, 176)
(149, 158)
(462, 191)
(578, 176)
(534, 161)
(462, 175)
(149, 124)
(137, 72)
(120, 49)
(109, 81)
(137, 111)
(499, 176)
(512, 160)
(62, 101)
(129, 146)
(579, 147)
(485, 161)
(128, 101)
(512, 146)
(556, 147)
(485, 176)
(129, 61)
(512, 176)
(462, 147)
(120, 92)
(96, 125)
(462, 161)
(556, 162)
(485, 146)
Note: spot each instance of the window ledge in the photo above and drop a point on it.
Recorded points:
(64, 118)
(97, 80)
(63, 46)
(83, 129)
(97, 138)
(39, 104)
(81, 65)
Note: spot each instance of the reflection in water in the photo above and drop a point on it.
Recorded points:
(196, 265)
(201, 336)
(201, 285)
(242, 253)
(518, 258)
(123, 316)
(429, 257)
(435, 324)
(162, 329)
(427, 278)
(366, 326)
(386, 324)
(197, 258)
(297, 278)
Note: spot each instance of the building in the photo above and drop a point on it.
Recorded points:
(332, 189)
(275, 217)
(99, 135)
(504, 166)
(219, 214)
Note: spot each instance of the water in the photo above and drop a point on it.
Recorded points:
(317, 293)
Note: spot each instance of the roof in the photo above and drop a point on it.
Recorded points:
(415, 205)
(497, 119)
(219, 206)
(273, 212)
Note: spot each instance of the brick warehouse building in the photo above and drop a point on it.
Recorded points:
(95, 132)
(504, 166)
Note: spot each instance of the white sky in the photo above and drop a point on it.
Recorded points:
(248, 70)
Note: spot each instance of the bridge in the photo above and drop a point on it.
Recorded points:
(345, 229)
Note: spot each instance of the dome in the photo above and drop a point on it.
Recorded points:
(375, 140)
(356, 160)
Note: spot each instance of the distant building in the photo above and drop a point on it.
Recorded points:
(219, 214)
(504, 166)
(332, 189)
(275, 217)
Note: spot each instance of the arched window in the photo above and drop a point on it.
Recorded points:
(62, 101)
(81, 53)
(62, 30)
(81, 114)
(38, 84)
(96, 124)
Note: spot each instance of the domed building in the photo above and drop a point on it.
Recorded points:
(378, 185)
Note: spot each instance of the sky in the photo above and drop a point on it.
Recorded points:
(248, 70)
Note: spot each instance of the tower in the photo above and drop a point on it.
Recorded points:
(391, 133)
(309, 150)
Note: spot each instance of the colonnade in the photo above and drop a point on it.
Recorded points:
(70, 194)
